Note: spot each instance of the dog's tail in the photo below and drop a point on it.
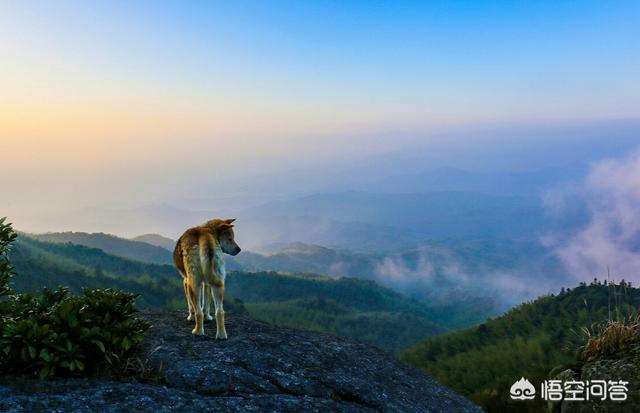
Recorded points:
(178, 258)
(206, 246)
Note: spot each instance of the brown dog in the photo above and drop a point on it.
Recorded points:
(199, 258)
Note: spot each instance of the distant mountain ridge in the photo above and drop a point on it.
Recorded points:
(157, 240)
(433, 214)
(458, 273)
(358, 220)
(122, 247)
(383, 222)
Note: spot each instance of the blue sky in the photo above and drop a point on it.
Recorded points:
(93, 87)
(333, 65)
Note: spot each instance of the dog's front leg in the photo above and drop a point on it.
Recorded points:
(218, 297)
(207, 302)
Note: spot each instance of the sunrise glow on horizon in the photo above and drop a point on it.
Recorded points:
(107, 70)
(102, 101)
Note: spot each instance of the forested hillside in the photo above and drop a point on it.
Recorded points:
(43, 264)
(348, 307)
(461, 277)
(136, 249)
(529, 341)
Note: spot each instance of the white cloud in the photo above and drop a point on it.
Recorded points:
(397, 270)
(611, 239)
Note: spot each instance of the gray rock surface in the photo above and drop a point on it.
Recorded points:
(260, 368)
(626, 368)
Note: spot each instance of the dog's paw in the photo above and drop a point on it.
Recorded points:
(208, 317)
(190, 317)
(221, 336)
(197, 332)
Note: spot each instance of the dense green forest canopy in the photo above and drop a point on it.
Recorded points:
(344, 306)
(529, 341)
(45, 264)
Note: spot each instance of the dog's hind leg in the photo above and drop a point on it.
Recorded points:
(206, 308)
(218, 298)
(189, 303)
(195, 293)
(194, 287)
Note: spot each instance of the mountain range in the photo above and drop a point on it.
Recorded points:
(465, 273)
(349, 307)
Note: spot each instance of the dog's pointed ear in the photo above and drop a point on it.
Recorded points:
(224, 226)
(230, 220)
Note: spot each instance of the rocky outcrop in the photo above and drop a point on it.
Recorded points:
(260, 368)
(626, 368)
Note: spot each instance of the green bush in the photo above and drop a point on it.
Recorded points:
(55, 333)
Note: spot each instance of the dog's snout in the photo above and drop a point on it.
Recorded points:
(238, 249)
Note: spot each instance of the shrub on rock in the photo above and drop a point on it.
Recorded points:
(55, 333)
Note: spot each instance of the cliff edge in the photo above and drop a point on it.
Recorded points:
(260, 368)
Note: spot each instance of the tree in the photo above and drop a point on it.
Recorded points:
(7, 236)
